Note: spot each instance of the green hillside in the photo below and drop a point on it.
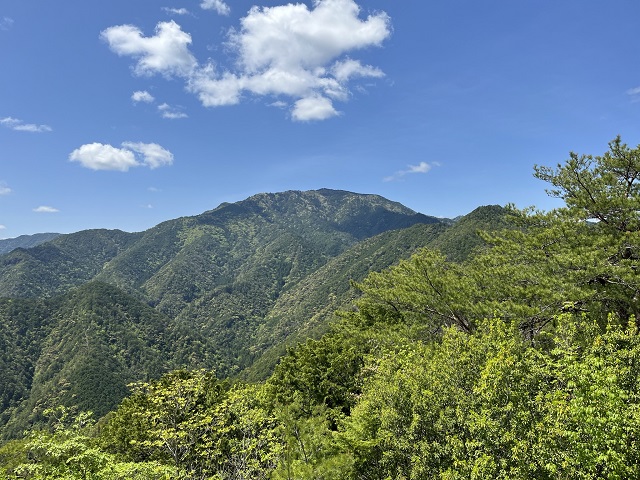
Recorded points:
(65, 262)
(25, 241)
(87, 313)
(83, 349)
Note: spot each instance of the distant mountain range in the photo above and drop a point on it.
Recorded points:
(25, 241)
(84, 314)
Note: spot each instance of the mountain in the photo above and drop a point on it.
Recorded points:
(86, 313)
(315, 299)
(25, 241)
(56, 266)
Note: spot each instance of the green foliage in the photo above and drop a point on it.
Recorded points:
(322, 372)
(489, 405)
(310, 450)
(70, 452)
(193, 422)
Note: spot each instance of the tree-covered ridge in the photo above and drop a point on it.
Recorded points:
(521, 361)
(25, 241)
(202, 288)
(63, 263)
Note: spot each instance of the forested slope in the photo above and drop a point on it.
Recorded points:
(25, 241)
(199, 291)
(521, 360)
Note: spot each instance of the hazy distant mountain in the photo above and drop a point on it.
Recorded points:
(227, 289)
(25, 241)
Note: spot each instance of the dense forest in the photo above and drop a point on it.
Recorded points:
(509, 354)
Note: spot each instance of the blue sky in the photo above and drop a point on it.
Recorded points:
(123, 114)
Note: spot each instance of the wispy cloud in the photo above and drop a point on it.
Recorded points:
(142, 96)
(20, 126)
(422, 167)
(6, 23)
(98, 156)
(165, 110)
(634, 93)
(45, 209)
(176, 11)
(170, 112)
(293, 51)
(2, 227)
(217, 5)
(4, 189)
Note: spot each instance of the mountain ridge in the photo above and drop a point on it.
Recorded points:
(225, 289)
(25, 241)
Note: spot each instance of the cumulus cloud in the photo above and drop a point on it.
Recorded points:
(422, 167)
(152, 155)
(172, 113)
(284, 51)
(295, 51)
(142, 96)
(98, 156)
(167, 52)
(45, 209)
(20, 126)
(217, 5)
(313, 108)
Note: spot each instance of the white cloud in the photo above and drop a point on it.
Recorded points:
(175, 11)
(634, 93)
(170, 112)
(347, 69)
(279, 104)
(4, 189)
(98, 156)
(45, 209)
(166, 110)
(217, 5)
(293, 51)
(167, 52)
(289, 50)
(293, 36)
(6, 23)
(313, 108)
(20, 126)
(2, 227)
(142, 96)
(153, 155)
(422, 167)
